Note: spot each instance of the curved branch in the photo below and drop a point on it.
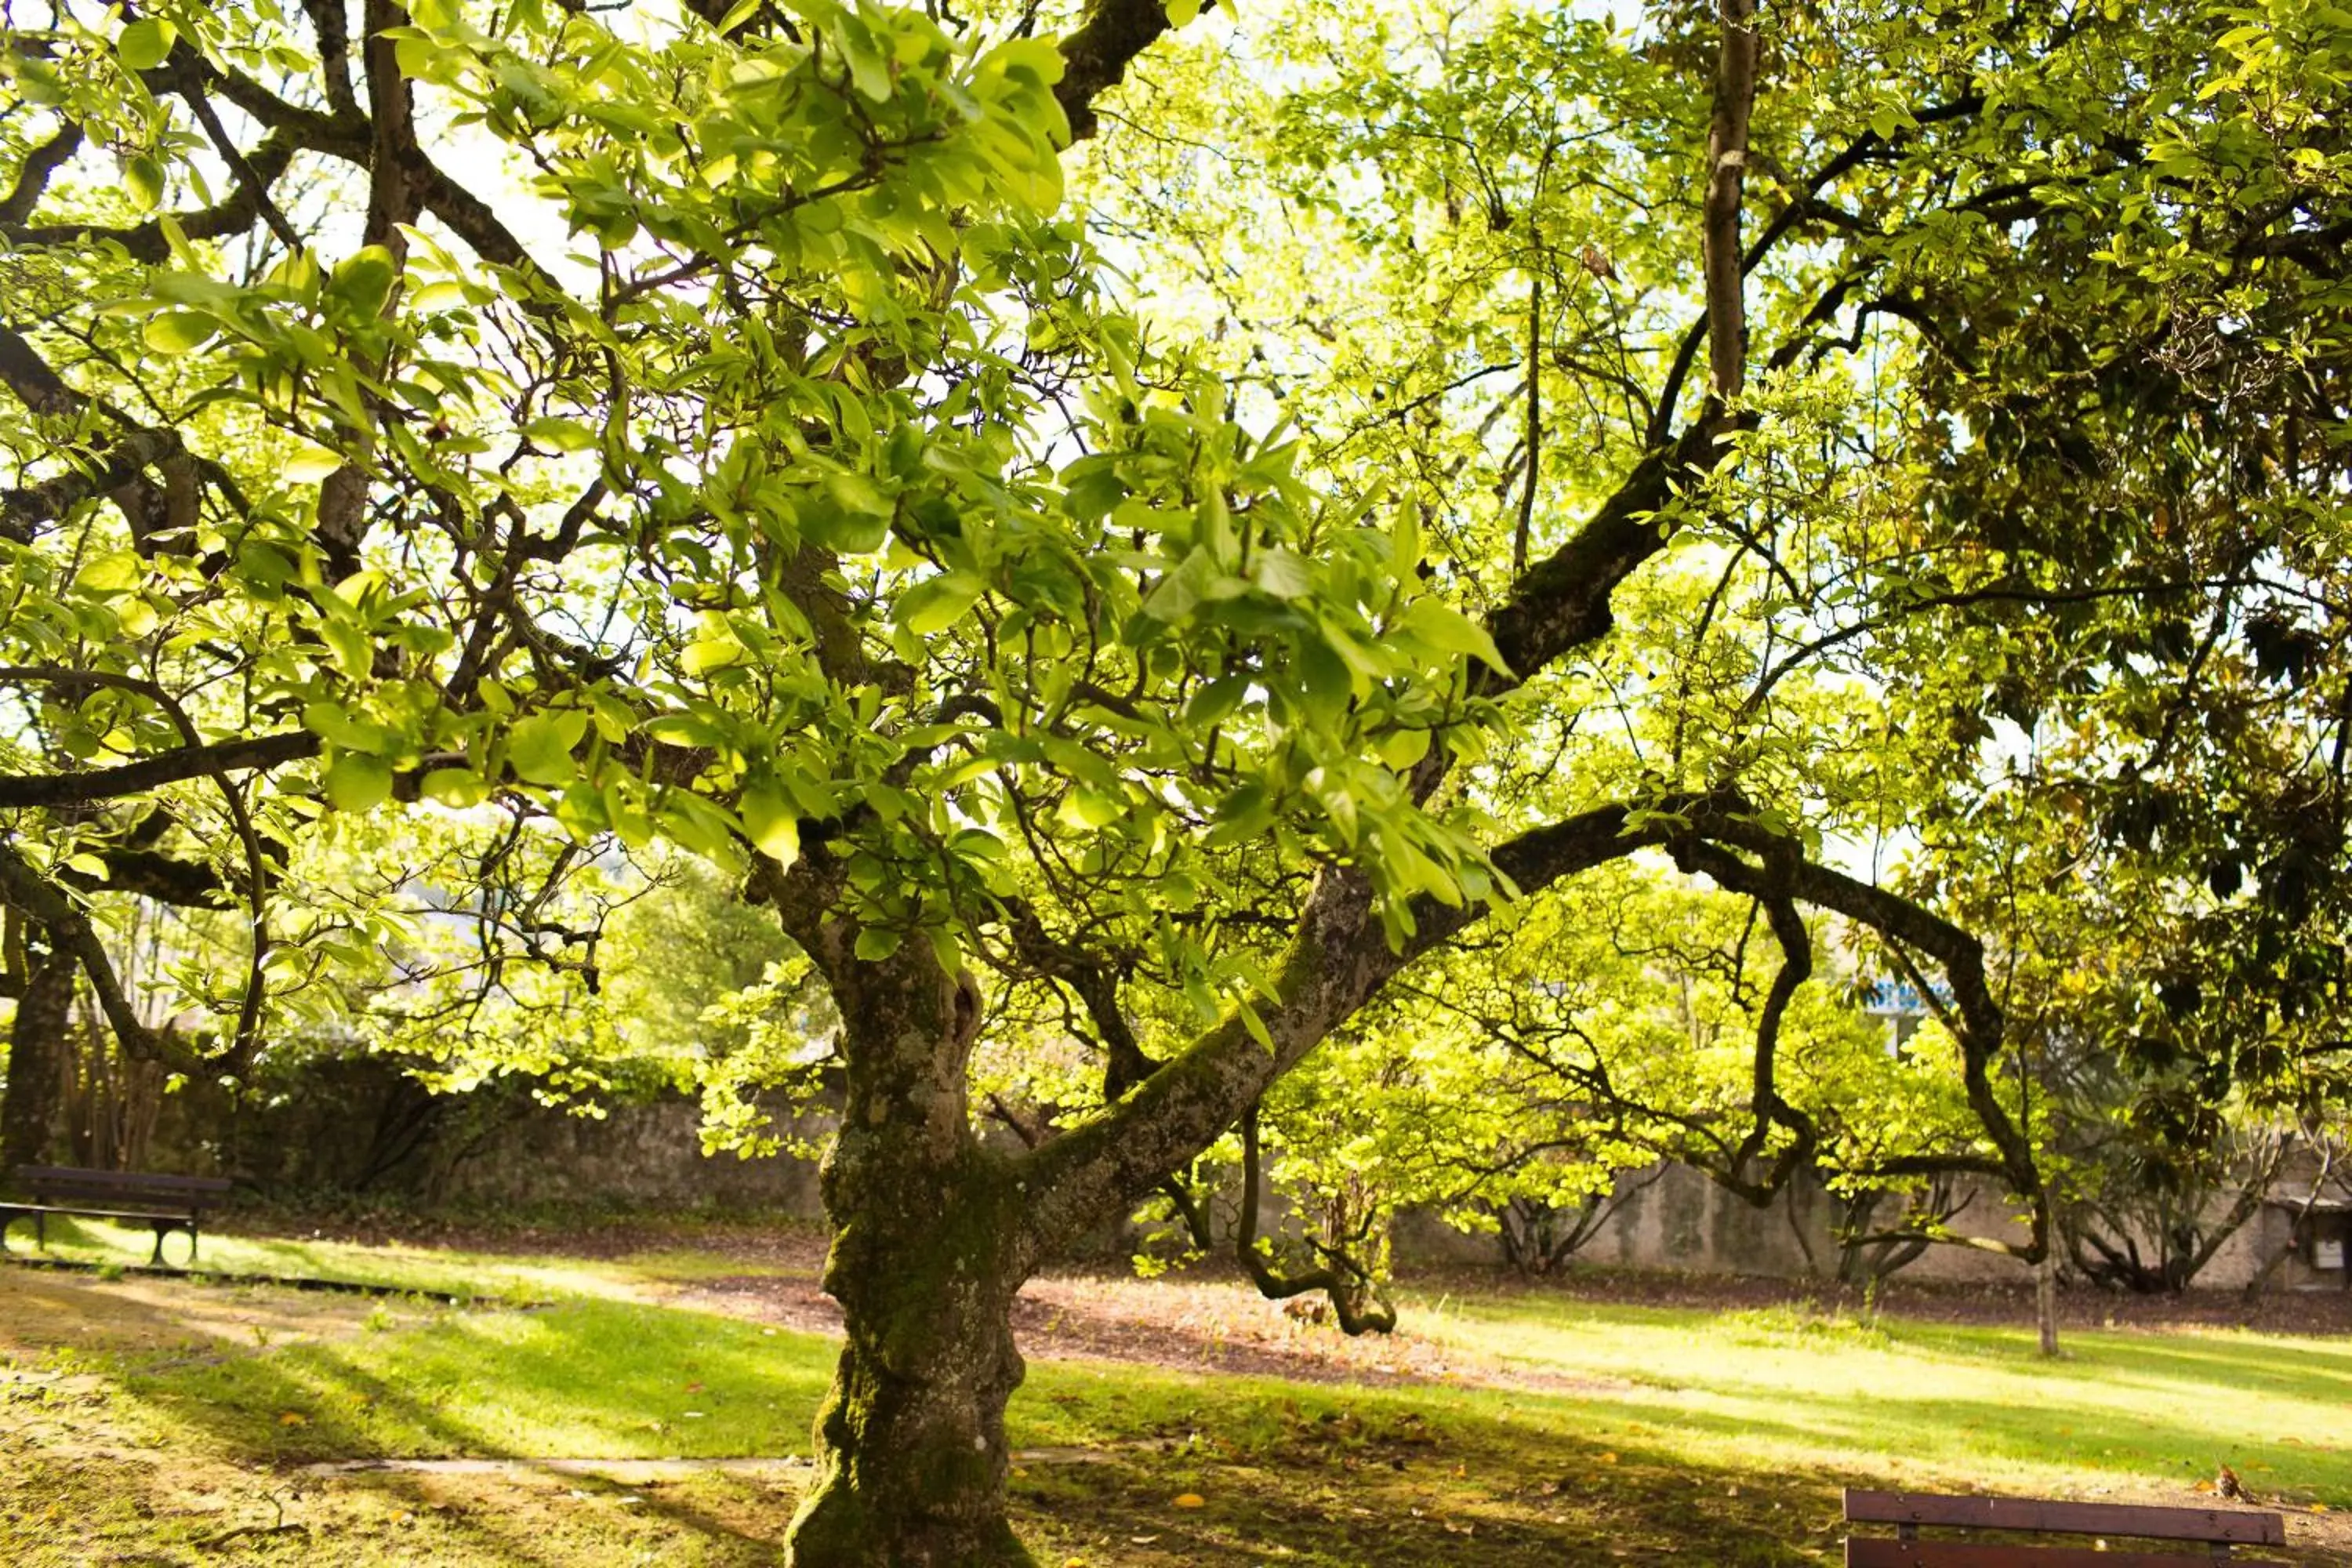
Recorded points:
(33, 176)
(1346, 1283)
(20, 791)
(70, 931)
(1979, 1025)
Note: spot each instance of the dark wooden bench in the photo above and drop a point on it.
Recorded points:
(164, 1203)
(2215, 1529)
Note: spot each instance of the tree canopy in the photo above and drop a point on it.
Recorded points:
(1156, 538)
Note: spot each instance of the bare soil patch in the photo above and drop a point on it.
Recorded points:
(1193, 1322)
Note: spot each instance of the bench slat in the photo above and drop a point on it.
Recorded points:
(74, 1211)
(101, 1194)
(2243, 1526)
(1880, 1552)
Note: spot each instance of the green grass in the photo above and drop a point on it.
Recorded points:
(1968, 1405)
(466, 1274)
(587, 1379)
(1669, 1433)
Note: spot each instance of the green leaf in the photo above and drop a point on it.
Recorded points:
(874, 943)
(710, 654)
(364, 282)
(177, 331)
(1180, 591)
(539, 747)
(1282, 573)
(356, 782)
(848, 513)
(116, 571)
(1439, 625)
(770, 822)
(1401, 749)
(869, 64)
(1083, 809)
(563, 435)
(1404, 542)
(459, 789)
(309, 464)
(143, 178)
(935, 604)
(145, 44)
(1213, 702)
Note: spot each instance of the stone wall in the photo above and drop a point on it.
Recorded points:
(1677, 1219)
(646, 1154)
(365, 1128)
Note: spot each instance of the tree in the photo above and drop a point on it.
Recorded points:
(714, 425)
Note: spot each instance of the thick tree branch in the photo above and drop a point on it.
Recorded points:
(1344, 1282)
(1978, 1026)
(233, 213)
(120, 467)
(1726, 163)
(1338, 959)
(1769, 1108)
(1562, 603)
(1095, 56)
(21, 791)
(1096, 987)
(33, 176)
(328, 19)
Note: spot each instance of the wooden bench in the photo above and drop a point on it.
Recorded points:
(2215, 1529)
(164, 1203)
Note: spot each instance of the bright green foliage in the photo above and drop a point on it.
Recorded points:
(1130, 622)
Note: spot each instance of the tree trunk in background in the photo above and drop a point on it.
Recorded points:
(2045, 1299)
(28, 1111)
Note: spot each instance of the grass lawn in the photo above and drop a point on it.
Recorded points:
(171, 1421)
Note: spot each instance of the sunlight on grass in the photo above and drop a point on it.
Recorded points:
(1639, 1424)
(430, 1271)
(585, 1359)
(588, 1379)
(1746, 1393)
(1969, 1406)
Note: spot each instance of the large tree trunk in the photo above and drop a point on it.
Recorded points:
(28, 1112)
(912, 1451)
(929, 1246)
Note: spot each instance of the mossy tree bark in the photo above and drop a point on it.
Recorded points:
(929, 1250)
